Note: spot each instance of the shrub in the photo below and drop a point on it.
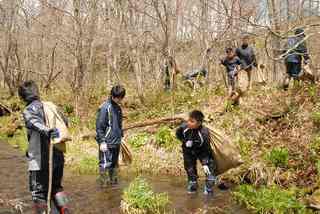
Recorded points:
(315, 117)
(268, 200)
(138, 140)
(279, 157)
(68, 109)
(165, 138)
(139, 196)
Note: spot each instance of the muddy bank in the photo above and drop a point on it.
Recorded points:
(88, 198)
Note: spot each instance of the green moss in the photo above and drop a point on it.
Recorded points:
(269, 200)
(140, 196)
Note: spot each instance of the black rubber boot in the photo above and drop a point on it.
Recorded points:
(192, 187)
(113, 176)
(103, 180)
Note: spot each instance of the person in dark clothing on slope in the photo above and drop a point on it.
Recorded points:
(248, 58)
(39, 136)
(232, 64)
(295, 51)
(109, 135)
(196, 146)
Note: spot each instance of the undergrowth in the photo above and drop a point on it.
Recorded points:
(269, 200)
(278, 157)
(140, 198)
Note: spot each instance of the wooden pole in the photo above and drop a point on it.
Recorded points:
(50, 170)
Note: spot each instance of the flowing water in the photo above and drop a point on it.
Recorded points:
(88, 198)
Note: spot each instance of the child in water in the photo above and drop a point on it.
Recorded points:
(109, 135)
(195, 140)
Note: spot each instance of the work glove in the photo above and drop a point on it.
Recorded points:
(206, 170)
(54, 133)
(189, 144)
(103, 147)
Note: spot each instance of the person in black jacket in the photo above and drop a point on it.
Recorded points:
(109, 135)
(295, 51)
(38, 152)
(196, 146)
(248, 58)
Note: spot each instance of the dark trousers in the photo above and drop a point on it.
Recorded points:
(190, 163)
(293, 69)
(38, 183)
(109, 159)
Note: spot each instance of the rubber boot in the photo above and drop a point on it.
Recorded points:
(208, 187)
(62, 201)
(192, 187)
(113, 176)
(39, 208)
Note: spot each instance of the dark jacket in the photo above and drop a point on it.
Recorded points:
(247, 57)
(109, 123)
(38, 137)
(295, 55)
(231, 64)
(200, 141)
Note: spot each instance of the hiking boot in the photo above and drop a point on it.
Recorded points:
(192, 187)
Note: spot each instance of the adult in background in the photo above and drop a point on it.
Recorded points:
(247, 57)
(295, 51)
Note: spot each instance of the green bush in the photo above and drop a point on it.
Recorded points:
(165, 138)
(139, 195)
(279, 157)
(138, 140)
(269, 200)
(315, 117)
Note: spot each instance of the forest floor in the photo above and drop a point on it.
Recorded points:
(277, 132)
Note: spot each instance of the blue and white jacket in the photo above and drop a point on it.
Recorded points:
(109, 123)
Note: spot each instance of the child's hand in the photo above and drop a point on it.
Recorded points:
(206, 170)
(189, 144)
(103, 147)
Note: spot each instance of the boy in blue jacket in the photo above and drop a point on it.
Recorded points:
(109, 135)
